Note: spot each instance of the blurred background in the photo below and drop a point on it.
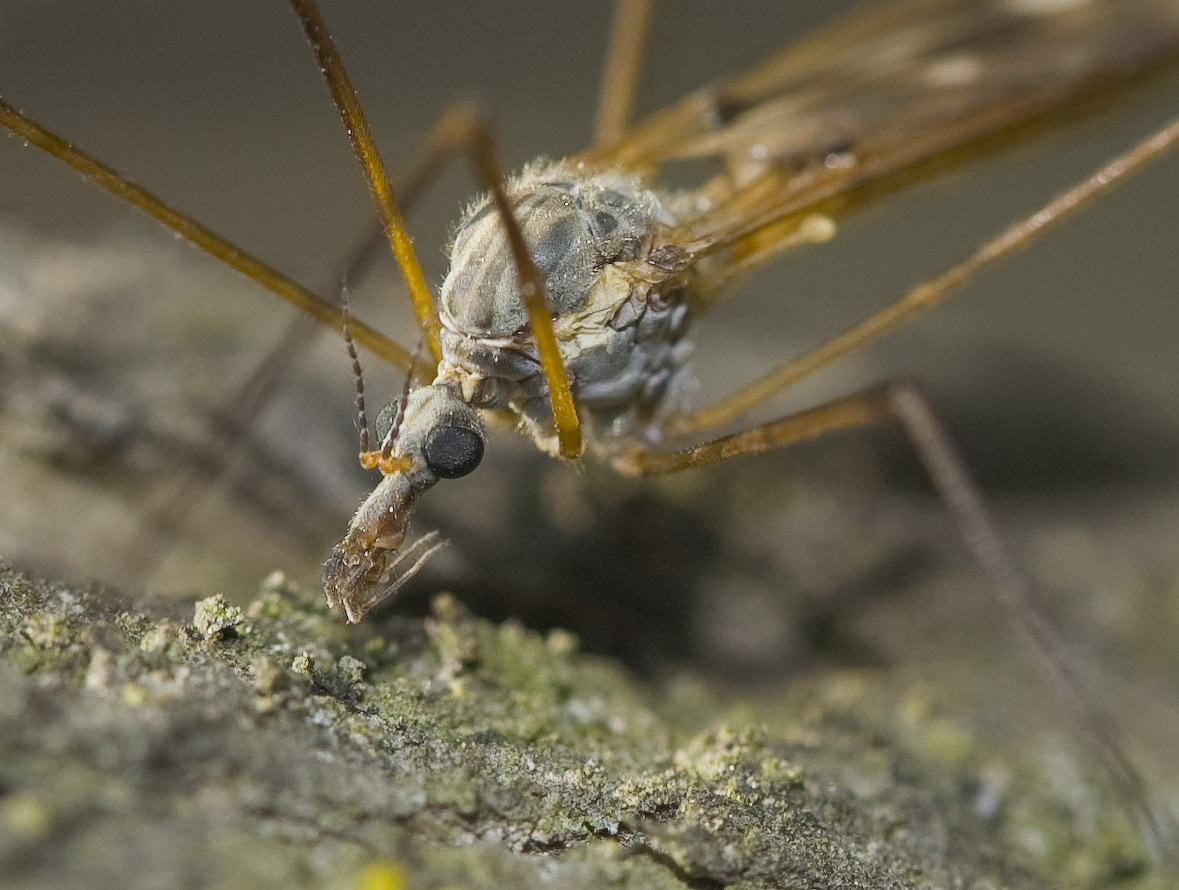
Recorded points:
(1058, 371)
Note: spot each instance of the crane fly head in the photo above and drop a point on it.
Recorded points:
(438, 436)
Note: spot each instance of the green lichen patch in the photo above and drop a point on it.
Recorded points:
(214, 618)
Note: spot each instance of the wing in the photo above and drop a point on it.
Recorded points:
(883, 92)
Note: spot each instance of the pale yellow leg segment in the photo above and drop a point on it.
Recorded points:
(846, 413)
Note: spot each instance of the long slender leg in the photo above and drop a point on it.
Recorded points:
(620, 72)
(565, 419)
(904, 402)
(365, 149)
(198, 235)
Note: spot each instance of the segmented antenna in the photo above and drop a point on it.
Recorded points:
(391, 436)
(357, 371)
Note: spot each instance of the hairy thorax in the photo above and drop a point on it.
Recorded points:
(620, 322)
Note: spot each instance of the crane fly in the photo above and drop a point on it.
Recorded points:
(567, 313)
(710, 142)
(579, 276)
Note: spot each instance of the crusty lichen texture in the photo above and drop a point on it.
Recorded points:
(275, 747)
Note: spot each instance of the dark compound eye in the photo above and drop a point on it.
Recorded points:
(452, 451)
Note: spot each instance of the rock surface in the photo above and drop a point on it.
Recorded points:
(274, 747)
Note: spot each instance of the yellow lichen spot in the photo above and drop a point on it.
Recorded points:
(560, 642)
(375, 646)
(45, 630)
(628, 793)
(730, 789)
(134, 694)
(779, 770)
(938, 734)
(159, 636)
(382, 875)
(265, 674)
(24, 816)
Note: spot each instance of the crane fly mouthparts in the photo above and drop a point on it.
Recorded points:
(350, 578)
(366, 556)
